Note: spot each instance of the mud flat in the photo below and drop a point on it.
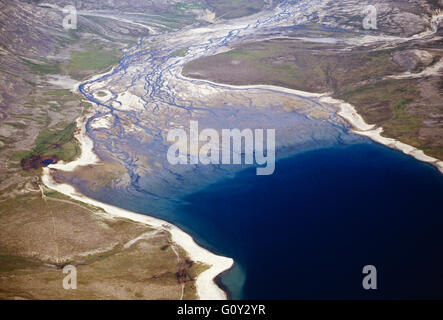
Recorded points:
(346, 111)
(299, 93)
(206, 286)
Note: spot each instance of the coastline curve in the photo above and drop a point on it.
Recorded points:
(207, 289)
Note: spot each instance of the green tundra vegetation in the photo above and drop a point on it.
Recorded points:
(387, 104)
(305, 66)
(230, 9)
(356, 76)
(42, 66)
(54, 143)
(42, 232)
(92, 58)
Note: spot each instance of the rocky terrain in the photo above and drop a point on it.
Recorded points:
(41, 66)
(392, 75)
(400, 18)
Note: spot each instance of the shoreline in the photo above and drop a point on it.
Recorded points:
(347, 112)
(206, 281)
(267, 87)
(207, 289)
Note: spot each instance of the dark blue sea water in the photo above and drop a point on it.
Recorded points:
(307, 231)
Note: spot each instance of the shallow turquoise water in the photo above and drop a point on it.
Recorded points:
(308, 230)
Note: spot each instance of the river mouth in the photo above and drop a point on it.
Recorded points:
(307, 231)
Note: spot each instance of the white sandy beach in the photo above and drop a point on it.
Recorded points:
(346, 111)
(258, 86)
(349, 113)
(206, 287)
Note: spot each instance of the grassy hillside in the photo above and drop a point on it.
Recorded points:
(404, 108)
(229, 9)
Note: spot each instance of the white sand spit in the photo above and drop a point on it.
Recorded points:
(349, 113)
(207, 289)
